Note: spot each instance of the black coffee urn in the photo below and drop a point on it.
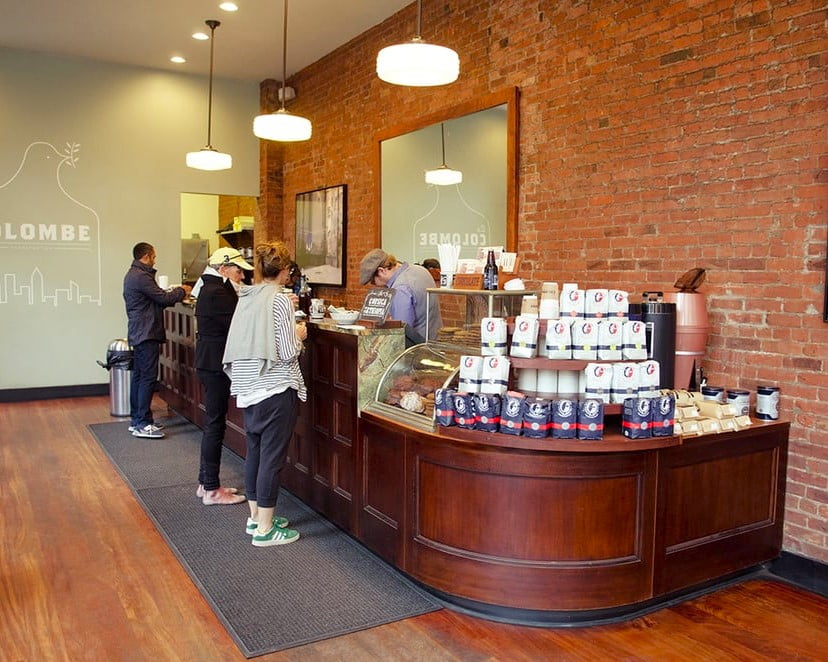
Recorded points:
(660, 320)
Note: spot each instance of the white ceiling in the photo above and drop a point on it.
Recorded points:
(147, 32)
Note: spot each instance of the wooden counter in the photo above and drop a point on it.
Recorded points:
(553, 536)
(538, 531)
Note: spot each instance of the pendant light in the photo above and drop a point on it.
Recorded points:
(282, 125)
(417, 63)
(443, 176)
(209, 158)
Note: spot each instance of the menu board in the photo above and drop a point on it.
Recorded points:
(376, 305)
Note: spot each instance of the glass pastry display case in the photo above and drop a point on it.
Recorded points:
(406, 390)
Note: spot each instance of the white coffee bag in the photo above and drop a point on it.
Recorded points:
(558, 340)
(598, 380)
(619, 305)
(585, 340)
(495, 377)
(610, 340)
(471, 370)
(493, 332)
(525, 337)
(649, 376)
(596, 304)
(624, 382)
(634, 338)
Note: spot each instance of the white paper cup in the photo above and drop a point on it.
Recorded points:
(446, 279)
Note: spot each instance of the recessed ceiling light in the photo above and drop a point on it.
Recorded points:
(178, 59)
(229, 6)
(200, 36)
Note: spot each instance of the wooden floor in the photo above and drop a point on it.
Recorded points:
(84, 575)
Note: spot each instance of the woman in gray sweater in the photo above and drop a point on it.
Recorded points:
(262, 360)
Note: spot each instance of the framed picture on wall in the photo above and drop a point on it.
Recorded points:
(320, 234)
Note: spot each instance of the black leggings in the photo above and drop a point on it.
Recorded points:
(269, 427)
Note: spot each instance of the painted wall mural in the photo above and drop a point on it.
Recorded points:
(50, 242)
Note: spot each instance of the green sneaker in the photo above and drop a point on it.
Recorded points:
(277, 521)
(276, 536)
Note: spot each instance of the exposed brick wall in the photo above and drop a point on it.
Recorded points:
(655, 136)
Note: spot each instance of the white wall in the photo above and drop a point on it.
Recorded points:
(92, 162)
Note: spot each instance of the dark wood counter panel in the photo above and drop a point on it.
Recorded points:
(551, 533)
(540, 531)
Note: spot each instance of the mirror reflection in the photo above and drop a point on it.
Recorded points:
(478, 140)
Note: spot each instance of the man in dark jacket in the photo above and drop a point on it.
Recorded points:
(216, 302)
(145, 302)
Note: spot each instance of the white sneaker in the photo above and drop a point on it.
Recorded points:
(148, 432)
(157, 426)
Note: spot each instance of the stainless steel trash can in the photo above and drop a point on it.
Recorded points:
(119, 357)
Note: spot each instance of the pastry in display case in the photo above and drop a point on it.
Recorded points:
(406, 390)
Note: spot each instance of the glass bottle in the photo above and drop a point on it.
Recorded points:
(490, 273)
(304, 296)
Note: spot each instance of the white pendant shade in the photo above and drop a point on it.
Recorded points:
(282, 126)
(418, 64)
(443, 176)
(209, 159)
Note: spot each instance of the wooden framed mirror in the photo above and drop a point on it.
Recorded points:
(479, 138)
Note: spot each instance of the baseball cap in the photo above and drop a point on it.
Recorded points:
(230, 256)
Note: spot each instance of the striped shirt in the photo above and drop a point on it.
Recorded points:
(249, 385)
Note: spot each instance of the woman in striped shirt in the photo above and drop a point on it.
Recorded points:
(262, 360)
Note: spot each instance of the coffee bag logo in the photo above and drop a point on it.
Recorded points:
(643, 407)
(564, 408)
(592, 408)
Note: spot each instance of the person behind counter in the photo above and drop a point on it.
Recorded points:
(409, 282)
(433, 267)
(145, 302)
(262, 359)
(216, 292)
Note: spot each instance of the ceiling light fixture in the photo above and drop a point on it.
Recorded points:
(201, 36)
(178, 59)
(282, 125)
(229, 6)
(417, 63)
(443, 176)
(209, 158)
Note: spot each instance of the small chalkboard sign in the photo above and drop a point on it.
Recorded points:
(376, 305)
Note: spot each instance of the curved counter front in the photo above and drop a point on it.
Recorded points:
(569, 532)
